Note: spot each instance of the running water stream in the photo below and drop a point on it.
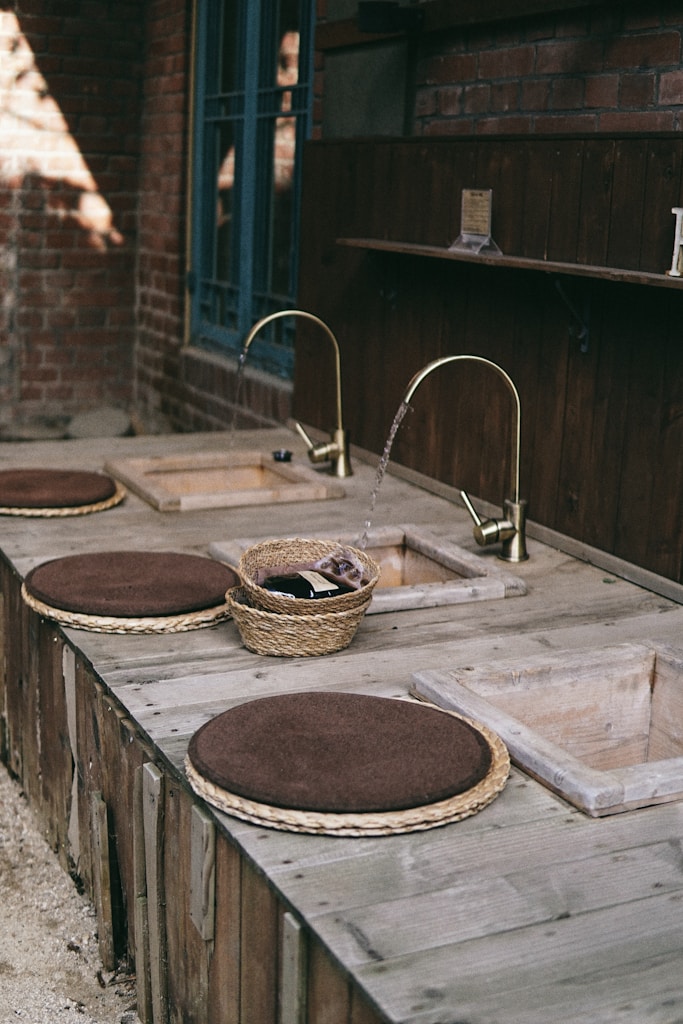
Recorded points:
(381, 471)
(238, 387)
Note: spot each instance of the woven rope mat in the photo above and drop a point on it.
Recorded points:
(68, 510)
(376, 823)
(46, 492)
(130, 591)
(116, 624)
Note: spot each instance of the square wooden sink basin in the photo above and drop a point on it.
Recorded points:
(178, 483)
(418, 569)
(603, 728)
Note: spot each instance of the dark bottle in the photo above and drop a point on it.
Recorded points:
(307, 583)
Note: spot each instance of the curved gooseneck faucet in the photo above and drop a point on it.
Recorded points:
(336, 450)
(511, 529)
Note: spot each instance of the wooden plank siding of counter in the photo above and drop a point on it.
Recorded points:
(527, 912)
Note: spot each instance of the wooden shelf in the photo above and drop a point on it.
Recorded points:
(516, 262)
(442, 15)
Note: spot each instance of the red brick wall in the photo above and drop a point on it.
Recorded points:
(597, 69)
(69, 87)
(163, 194)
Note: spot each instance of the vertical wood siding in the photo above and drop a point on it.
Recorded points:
(602, 423)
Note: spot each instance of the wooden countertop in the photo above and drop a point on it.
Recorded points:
(527, 912)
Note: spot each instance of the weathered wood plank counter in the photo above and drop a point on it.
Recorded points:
(527, 912)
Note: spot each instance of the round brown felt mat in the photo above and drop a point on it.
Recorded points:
(131, 583)
(53, 488)
(339, 752)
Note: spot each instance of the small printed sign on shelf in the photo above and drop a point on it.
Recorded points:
(475, 223)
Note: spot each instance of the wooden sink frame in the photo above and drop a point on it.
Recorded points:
(601, 728)
(180, 483)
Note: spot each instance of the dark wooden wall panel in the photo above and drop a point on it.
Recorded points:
(666, 527)
(565, 201)
(663, 190)
(626, 214)
(596, 199)
(602, 416)
(604, 433)
(536, 199)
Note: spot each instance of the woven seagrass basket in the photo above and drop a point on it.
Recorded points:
(295, 551)
(293, 636)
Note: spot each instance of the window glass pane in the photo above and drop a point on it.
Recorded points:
(228, 111)
(229, 49)
(253, 115)
(225, 202)
(284, 151)
(287, 39)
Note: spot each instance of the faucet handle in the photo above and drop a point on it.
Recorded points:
(317, 451)
(488, 531)
(470, 508)
(335, 450)
(305, 437)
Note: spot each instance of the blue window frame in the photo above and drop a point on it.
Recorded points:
(252, 110)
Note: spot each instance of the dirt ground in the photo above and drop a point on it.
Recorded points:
(50, 969)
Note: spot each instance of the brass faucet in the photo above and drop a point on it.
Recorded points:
(511, 530)
(336, 450)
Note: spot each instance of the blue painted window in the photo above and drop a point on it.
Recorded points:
(252, 108)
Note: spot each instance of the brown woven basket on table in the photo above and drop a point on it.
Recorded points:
(293, 636)
(297, 550)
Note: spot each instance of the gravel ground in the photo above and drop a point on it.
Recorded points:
(50, 969)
